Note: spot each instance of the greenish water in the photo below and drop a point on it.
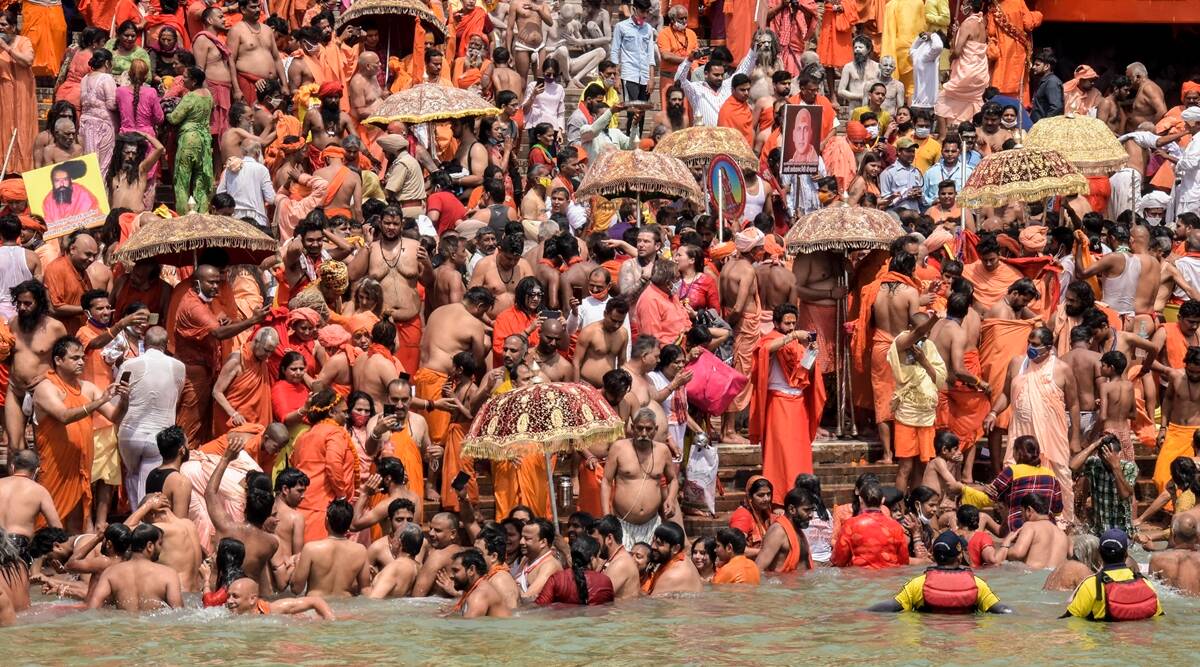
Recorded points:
(814, 619)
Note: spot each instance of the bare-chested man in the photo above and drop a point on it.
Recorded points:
(254, 55)
(1014, 305)
(575, 271)
(634, 276)
(34, 332)
(526, 34)
(334, 566)
(1039, 542)
(290, 486)
(551, 364)
(964, 401)
(1114, 106)
(373, 371)
(364, 89)
(396, 579)
(674, 572)
(890, 315)
(139, 583)
(492, 542)
(443, 546)
(1179, 566)
(398, 262)
(643, 358)
(128, 177)
(65, 144)
(23, 500)
(457, 327)
(618, 564)
(468, 572)
(504, 77)
(738, 286)
(401, 513)
(776, 285)
(816, 277)
(991, 135)
(1084, 363)
(212, 56)
(262, 562)
(631, 488)
(1149, 104)
(449, 278)
(243, 599)
(328, 126)
(501, 271)
(180, 546)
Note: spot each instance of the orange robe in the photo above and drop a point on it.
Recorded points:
(99, 13)
(252, 445)
(408, 343)
(590, 481)
(402, 446)
(739, 116)
(66, 453)
(1000, 341)
(65, 287)
(1009, 46)
(474, 22)
(823, 320)
(326, 454)
(837, 30)
(739, 570)
(200, 354)
(521, 482)
(785, 424)
(962, 409)
(466, 76)
(990, 286)
(249, 393)
(745, 340)
(792, 562)
(153, 296)
(869, 346)
(510, 322)
(740, 23)
(46, 28)
(448, 434)
(1176, 345)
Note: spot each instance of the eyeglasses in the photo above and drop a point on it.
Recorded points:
(596, 289)
(536, 293)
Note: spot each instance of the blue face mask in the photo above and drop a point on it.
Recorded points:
(1033, 352)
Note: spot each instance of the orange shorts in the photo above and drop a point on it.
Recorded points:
(912, 441)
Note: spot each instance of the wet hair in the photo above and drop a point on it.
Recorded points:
(1080, 334)
(1037, 502)
(171, 442)
(339, 516)
(392, 469)
(289, 478)
(1116, 360)
(1024, 287)
(472, 559)
(616, 304)
(732, 539)
(400, 504)
(968, 516)
(411, 539)
(231, 554)
(259, 503)
(583, 549)
(143, 535)
(863, 480)
(1085, 548)
(44, 540)
(479, 296)
(958, 304)
(871, 494)
(893, 499)
(1183, 474)
(546, 529)
(945, 440)
(1026, 450)
(812, 484)
(117, 535)
(610, 526)
(495, 541)
(670, 533)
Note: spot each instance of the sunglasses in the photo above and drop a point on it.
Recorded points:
(596, 289)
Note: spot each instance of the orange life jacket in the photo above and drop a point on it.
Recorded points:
(949, 591)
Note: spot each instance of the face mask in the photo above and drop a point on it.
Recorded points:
(638, 20)
(921, 132)
(1033, 352)
(358, 420)
(1008, 125)
(601, 295)
(826, 197)
(679, 25)
(873, 131)
(1154, 219)
(544, 181)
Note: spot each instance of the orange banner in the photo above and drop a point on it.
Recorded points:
(1121, 11)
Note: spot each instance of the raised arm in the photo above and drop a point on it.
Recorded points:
(212, 491)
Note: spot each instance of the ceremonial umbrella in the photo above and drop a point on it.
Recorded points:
(639, 175)
(842, 228)
(396, 21)
(1084, 141)
(698, 145)
(177, 241)
(542, 417)
(1022, 174)
(427, 102)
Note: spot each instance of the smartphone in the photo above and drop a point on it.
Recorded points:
(577, 292)
(388, 410)
(551, 314)
(153, 319)
(460, 481)
(125, 377)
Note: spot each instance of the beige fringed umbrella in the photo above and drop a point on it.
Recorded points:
(543, 418)
(1084, 141)
(698, 145)
(842, 228)
(427, 102)
(383, 13)
(639, 175)
(177, 241)
(1021, 174)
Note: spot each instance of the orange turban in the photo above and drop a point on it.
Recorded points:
(12, 190)
(334, 151)
(330, 88)
(363, 321)
(1189, 87)
(304, 314)
(1033, 238)
(31, 223)
(1085, 72)
(772, 246)
(292, 147)
(332, 336)
(719, 251)
(856, 131)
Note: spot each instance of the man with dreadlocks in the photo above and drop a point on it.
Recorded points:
(14, 580)
(33, 333)
(129, 172)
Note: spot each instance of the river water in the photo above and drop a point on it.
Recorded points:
(816, 619)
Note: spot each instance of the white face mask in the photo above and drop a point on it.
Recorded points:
(1008, 125)
(1154, 219)
(921, 132)
(873, 131)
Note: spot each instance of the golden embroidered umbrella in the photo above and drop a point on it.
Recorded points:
(639, 175)
(1022, 174)
(842, 228)
(1086, 142)
(396, 21)
(176, 241)
(542, 418)
(426, 102)
(698, 145)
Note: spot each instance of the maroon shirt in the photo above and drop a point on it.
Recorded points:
(561, 588)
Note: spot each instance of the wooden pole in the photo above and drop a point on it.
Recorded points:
(8, 153)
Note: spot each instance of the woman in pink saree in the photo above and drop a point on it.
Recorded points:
(98, 100)
(139, 109)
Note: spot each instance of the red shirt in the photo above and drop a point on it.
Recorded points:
(660, 315)
(975, 547)
(560, 587)
(872, 539)
(701, 293)
(449, 209)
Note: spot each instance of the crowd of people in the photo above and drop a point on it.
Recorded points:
(272, 435)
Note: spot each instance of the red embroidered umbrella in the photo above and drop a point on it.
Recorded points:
(545, 417)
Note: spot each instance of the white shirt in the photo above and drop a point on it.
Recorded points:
(251, 190)
(155, 383)
(1188, 172)
(706, 102)
(14, 270)
(925, 54)
(1126, 187)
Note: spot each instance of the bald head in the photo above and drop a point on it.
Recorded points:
(1183, 530)
(276, 432)
(156, 337)
(368, 60)
(25, 461)
(267, 336)
(1193, 241)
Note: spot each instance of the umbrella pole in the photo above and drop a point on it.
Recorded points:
(550, 485)
(720, 211)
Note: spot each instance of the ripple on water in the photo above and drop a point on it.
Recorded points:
(812, 619)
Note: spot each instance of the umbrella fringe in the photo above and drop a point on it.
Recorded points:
(510, 448)
(618, 190)
(135, 255)
(429, 118)
(1000, 195)
(847, 245)
(361, 11)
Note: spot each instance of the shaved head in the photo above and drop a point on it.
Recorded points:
(156, 337)
(1183, 529)
(25, 460)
